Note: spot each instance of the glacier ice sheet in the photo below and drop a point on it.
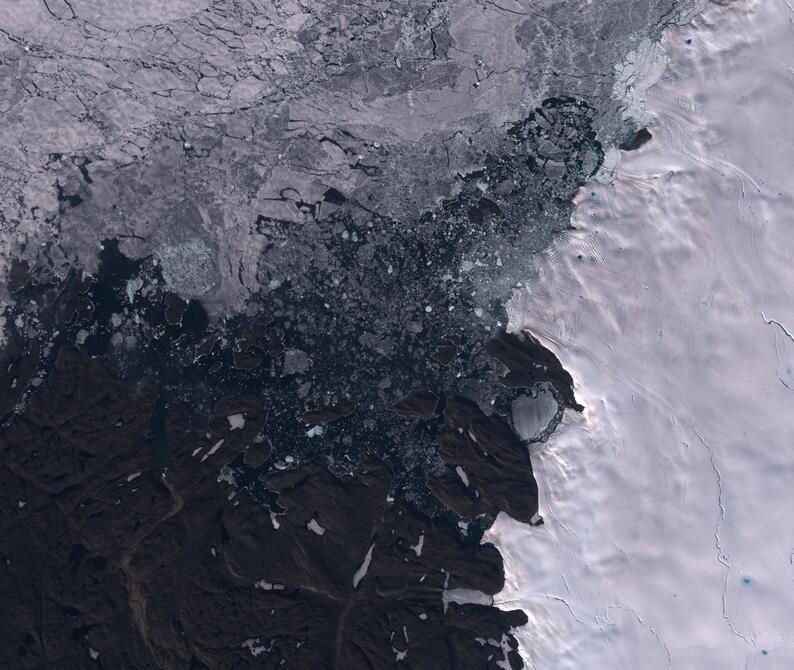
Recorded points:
(668, 539)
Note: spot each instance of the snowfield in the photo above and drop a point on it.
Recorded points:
(668, 539)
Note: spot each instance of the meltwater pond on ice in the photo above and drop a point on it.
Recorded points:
(668, 539)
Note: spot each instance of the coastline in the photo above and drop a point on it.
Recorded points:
(664, 543)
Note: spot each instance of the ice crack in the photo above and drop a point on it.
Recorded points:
(779, 325)
(722, 556)
(784, 369)
(647, 627)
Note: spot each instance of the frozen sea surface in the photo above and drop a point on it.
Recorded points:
(669, 505)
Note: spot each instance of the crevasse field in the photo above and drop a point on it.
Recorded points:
(669, 505)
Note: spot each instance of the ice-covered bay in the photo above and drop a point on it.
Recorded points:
(669, 505)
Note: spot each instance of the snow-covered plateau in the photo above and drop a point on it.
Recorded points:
(668, 505)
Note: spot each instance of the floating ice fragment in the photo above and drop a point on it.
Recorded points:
(133, 286)
(226, 475)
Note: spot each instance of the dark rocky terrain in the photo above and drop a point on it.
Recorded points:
(258, 396)
(124, 545)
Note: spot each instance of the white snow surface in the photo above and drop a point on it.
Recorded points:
(361, 572)
(669, 504)
(532, 415)
(236, 421)
(315, 527)
(212, 450)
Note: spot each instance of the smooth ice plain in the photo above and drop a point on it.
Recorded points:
(668, 539)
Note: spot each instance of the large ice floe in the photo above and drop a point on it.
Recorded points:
(668, 539)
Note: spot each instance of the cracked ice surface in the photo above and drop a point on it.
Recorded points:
(668, 537)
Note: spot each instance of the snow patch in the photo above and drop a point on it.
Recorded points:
(236, 421)
(362, 570)
(463, 476)
(268, 586)
(465, 597)
(315, 527)
(212, 451)
(417, 548)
